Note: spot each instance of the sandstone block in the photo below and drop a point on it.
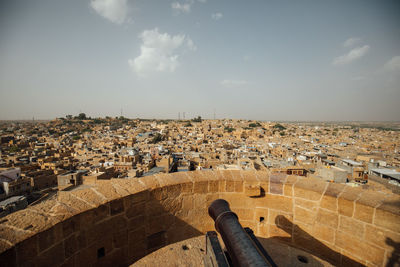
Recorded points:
(351, 226)
(363, 213)
(304, 216)
(324, 232)
(200, 187)
(360, 249)
(328, 218)
(330, 203)
(345, 207)
(387, 220)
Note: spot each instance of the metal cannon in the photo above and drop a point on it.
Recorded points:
(242, 246)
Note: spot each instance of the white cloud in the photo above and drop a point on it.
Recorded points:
(160, 52)
(351, 41)
(184, 8)
(217, 16)
(233, 83)
(393, 64)
(354, 54)
(115, 11)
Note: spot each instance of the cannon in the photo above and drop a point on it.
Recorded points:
(242, 246)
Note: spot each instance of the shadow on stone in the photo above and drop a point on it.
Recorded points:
(394, 259)
(302, 240)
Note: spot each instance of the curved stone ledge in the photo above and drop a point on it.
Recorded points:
(122, 220)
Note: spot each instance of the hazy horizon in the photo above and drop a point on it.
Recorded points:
(256, 60)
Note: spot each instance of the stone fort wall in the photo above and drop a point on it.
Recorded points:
(119, 221)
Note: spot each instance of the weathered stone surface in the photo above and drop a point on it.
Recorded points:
(52, 257)
(329, 202)
(70, 246)
(345, 207)
(363, 213)
(117, 206)
(307, 204)
(309, 188)
(334, 189)
(387, 220)
(49, 237)
(351, 226)
(327, 218)
(304, 216)
(275, 202)
(324, 232)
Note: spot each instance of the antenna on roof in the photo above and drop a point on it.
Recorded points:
(214, 114)
(179, 116)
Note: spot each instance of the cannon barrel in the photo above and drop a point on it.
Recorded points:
(242, 250)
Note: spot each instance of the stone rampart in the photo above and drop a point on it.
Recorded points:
(119, 221)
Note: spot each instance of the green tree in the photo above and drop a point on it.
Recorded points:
(157, 138)
(279, 127)
(198, 119)
(82, 116)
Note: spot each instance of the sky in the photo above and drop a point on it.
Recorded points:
(261, 59)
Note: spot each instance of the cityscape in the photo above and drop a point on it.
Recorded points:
(199, 133)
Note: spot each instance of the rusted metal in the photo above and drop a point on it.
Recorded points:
(215, 256)
(243, 251)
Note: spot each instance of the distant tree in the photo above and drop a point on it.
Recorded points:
(229, 129)
(82, 116)
(14, 149)
(157, 138)
(69, 117)
(188, 124)
(279, 127)
(253, 125)
(98, 121)
(198, 119)
(123, 119)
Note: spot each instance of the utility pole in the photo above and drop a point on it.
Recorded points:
(179, 116)
(214, 114)
(183, 115)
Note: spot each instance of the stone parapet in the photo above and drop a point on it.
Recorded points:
(121, 220)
